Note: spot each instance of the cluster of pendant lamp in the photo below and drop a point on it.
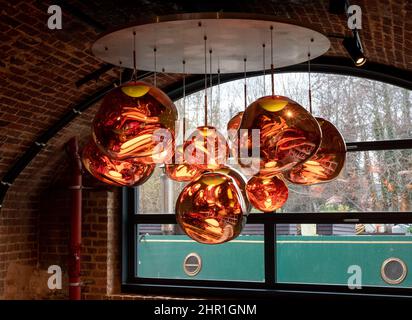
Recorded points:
(295, 147)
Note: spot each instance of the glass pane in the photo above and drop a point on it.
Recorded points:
(150, 194)
(361, 109)
(345, 254)
(158, 195)
(370, 181)
(163, 251)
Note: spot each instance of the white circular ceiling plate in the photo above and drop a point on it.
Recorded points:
(231, 37)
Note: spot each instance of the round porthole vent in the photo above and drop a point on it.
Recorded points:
(192, 264)
(394, 271)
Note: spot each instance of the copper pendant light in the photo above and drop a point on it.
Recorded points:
(211, 209)
(179, 170)
(267, 194)
(131, 122)
(328, 161)
(206, 147)
(289, 135)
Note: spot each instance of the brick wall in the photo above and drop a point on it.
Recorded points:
(25, 277)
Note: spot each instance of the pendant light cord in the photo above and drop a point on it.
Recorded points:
(211, 82)
(271, 61)
(155, 66)
(205, 39)
(309, 80)
(310, 86)
(245, 85)
(120, 73)
(184, 99)
(134, 74)
(264, 68)
(218, 87)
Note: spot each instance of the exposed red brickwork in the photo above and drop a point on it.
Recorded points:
(96, 267)
(38, 71)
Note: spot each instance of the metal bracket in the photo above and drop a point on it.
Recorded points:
(5, 183)
(75, 187)
(39, 144)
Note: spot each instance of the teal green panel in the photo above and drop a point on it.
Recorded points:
(326, 259)
(163, 256)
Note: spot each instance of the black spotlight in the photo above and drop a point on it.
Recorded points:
(355, 50)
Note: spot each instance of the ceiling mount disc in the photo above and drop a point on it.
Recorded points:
(232, 38)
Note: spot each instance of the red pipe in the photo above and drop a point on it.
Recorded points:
(72, 147)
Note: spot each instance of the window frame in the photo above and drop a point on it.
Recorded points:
(270, 287)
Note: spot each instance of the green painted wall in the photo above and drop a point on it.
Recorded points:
(320, 259)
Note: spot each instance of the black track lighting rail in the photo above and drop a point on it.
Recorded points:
(95, 75)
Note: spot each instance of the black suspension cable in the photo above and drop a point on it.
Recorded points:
(205, 39)
(272, 71)
(184, 100)
(309, 80)
(155, 66)
(218, 86)
(120, 73)
(211, 80)
(264, 68)
(245, 85)
(134, 75)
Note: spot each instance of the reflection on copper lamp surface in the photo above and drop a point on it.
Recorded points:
(180, 170)
(232, 132)
(267, 194)
(234, 123)
(240, 180)
(128, 122)
(289, 135)
(115, 172)
(211, 209)
(206, 148)
(328, 161)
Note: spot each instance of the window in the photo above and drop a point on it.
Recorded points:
(363, 219)
(329, 254)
